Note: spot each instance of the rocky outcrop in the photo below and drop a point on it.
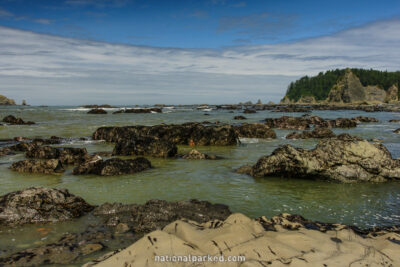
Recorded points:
(316, 133)
(306, 100)
(139, 110)
(195, 154)
(145, 146)
(292, 108)
(249, 111)
(10, 119)
(67, 155)
(112, 167)
(239, 117)
(50, 166)
(255, 130)
(344, 159)
(364, 119)
(286, 122)
(97, 111)
(392, 95)
(183, 134)
(6, 101)
(40, 205)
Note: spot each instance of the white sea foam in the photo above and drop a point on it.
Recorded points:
(248, 140)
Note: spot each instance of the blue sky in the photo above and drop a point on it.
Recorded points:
(185, 51)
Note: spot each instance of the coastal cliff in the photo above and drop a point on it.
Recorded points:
(349, 86)
(6, 101)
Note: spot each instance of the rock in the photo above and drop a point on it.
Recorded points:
(249, 111)
(10, 119)
(5, 151)
(394, 120)
(392, 95)
(246, 169)
(316, 133)
(97, 111)
(239, 117)
(344, 159)
(291, 108)
(50, 166)
(306, 100)
(183, 134)
(341, 123)
(145, 146)
(40, 205)
(397, 131)
(98, 106)
(255, 130)
(286, 122)
(364, 119)
(67, 155)
(139, 110)
(111, 167)
(6, 101)
(195, 154)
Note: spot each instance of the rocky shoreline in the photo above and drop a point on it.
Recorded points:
(186, 227)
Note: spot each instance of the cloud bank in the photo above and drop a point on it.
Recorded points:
(47, 69)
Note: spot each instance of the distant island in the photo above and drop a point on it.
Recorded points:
(6, 101)
(345, 86)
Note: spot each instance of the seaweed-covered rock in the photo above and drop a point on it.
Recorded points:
(67, 155)
(50, 166)
(145, 146)
(345, 159)
(10, 119)
(316, 133)
(287, 122)
(195, 154)
(254, 130)
(111, 167)
(40, 205)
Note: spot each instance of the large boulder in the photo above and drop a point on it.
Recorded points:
(183, 134)
(10, 119)
(97, 111)
(254, 130)
(50, 166)
(67, 155)
(287, 122)
(113, 166)
(145, 146)
(316, 133)
(345, 159)
(40, 205)
(195, 154)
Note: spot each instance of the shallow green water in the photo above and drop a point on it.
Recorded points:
(362, 204)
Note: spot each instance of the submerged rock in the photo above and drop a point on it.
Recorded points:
(40, 205)
(97, 111)
(345, 159)
(111, 167)
(249, 111)
(50, 166)
(364, 119)
(255, 130)
(183, 134)
(145, 146)
(10, 119)
(195, 154)
(239, 117)
(316, 133)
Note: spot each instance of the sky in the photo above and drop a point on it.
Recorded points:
(73, 52)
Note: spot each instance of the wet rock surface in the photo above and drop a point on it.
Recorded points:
(67, 155)
(39, 205)
(50, 166)
(139, 110)
(145, 146)
(287, 122)
(239, 117)
(97, 111)
(113, 166)
(10, 119)
(316, 133)
(292, 109)
(344, 159)
(181, 134)
(255, 130)
(195, 154)
(249, 111)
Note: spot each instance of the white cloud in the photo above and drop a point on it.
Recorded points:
(43, 67)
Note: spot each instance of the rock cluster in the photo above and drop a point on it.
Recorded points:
(10, 119)
(139, 110)
(149, 146)
(255, 130)
(97, 111)
(50, 166)
(67, 155)
(316, 133)
(195, 154)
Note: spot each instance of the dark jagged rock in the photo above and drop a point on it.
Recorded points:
(364, 119)
(111, 167)
(145, 146)
(156, 214)
(67, 155)
(246, 169)
(183, 134)
(97, 111)
(316, 133)
(286, 122)
(394, 120)
(345, 159)
(40, 205)
(195, 154)
(10, 119)
(50, 166)
(139, 110)
(239, 117)
(292, 109)
(98, 106)
(254, 130)
(249, 111)
(397, 131)
(341, 123)
(5, 151)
